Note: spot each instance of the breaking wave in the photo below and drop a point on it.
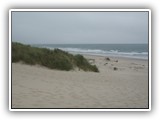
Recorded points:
(143, 55)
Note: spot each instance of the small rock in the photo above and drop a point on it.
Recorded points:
(107, 58)
(115, 68)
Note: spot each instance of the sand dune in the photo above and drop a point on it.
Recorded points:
(40, 87)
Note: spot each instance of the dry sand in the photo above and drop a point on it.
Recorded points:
(40, 87)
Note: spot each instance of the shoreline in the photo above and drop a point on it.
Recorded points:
(105, 55)
(40, 87)
(115, 57)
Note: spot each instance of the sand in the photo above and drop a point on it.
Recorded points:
(40, 87)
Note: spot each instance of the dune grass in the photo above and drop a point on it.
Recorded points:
(53, 59)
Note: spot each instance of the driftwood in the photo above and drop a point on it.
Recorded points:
(105, 63)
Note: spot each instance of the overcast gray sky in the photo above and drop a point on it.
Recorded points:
(79, 27)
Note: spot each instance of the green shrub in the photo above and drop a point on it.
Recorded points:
(54, 59)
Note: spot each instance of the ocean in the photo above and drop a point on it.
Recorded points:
(139, 51)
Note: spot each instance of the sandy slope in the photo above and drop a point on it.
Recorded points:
(40, 87)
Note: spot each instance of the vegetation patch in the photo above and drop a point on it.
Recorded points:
(53, 59)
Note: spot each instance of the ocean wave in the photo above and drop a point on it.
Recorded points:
(102, 51)
(133, 54)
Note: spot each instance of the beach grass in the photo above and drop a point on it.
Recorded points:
(53, 59)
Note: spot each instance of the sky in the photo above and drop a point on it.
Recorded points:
(80, 27)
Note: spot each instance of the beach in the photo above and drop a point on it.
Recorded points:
(121, 83)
